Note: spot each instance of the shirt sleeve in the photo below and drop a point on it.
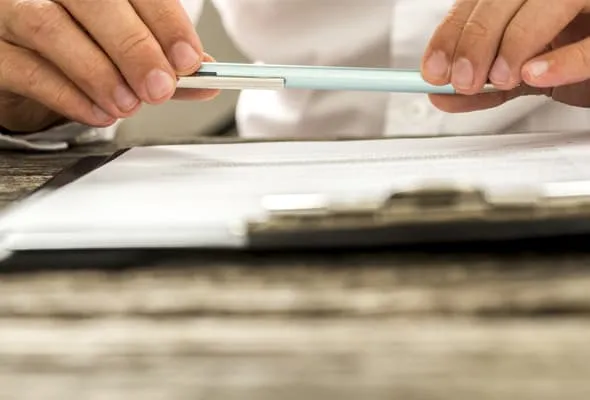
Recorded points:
(57, 138)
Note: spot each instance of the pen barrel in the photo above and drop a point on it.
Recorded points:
(376, 81)
(332, 78)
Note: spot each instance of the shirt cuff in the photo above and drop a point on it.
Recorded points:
(57, 138)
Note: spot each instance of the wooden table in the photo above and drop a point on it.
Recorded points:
(462, 323)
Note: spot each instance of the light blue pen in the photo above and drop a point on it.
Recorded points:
(232, 76)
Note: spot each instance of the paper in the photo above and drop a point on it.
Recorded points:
(202, 195)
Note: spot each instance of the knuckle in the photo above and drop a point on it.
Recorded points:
(458, 15)
(21, 76)
(32, 75)
(7, 68)
(97, 74)
(477, 30)
(14, 73)
(134, 43)
(94, 68)
(36, 19)
(448, 33)
(516, 32)
(165, 15)
(454, 22)
(167, 23)
(582, 53)
(63, 94)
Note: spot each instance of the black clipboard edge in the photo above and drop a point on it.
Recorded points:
(77, 170)
(451, 234)
(133, 259)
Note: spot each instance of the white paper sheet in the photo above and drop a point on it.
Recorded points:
(200, 195)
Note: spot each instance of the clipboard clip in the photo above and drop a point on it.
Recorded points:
(422, 205)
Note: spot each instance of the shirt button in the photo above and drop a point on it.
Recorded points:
(418, 110)
(415, 117)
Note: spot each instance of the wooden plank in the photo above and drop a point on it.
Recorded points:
(295, 358)
(20, 174)
(362, 284)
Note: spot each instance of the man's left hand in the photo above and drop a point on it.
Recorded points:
(522, 47)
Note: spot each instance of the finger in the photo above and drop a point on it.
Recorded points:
(128, 42)
(564, 66)
(175, 32)
(197, 94)
(533, 28)
(48, 29)
(25, 73)
(483, 101)
(436, 64)
(479, 43)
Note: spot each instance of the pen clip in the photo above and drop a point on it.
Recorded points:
(230, 83)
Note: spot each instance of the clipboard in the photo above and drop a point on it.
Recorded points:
(426, 212)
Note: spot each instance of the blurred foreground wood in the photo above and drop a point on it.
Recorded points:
(466, 323)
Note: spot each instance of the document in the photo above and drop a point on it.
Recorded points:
(203, 195)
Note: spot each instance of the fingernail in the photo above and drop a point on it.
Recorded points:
(159, 84)
(184, 57)
(437, 65)
(463, 74)
(125, 99)
(500, 73)
(536, 69)
(100, 115)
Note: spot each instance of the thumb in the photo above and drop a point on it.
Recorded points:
(198, 94)
(564, 66)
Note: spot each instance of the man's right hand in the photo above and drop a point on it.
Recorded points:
(91, 61)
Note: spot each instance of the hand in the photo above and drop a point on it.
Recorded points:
(92, 61)
(523, 47)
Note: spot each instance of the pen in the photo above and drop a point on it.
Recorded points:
(235, 76)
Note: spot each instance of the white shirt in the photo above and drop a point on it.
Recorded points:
(374, 33)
